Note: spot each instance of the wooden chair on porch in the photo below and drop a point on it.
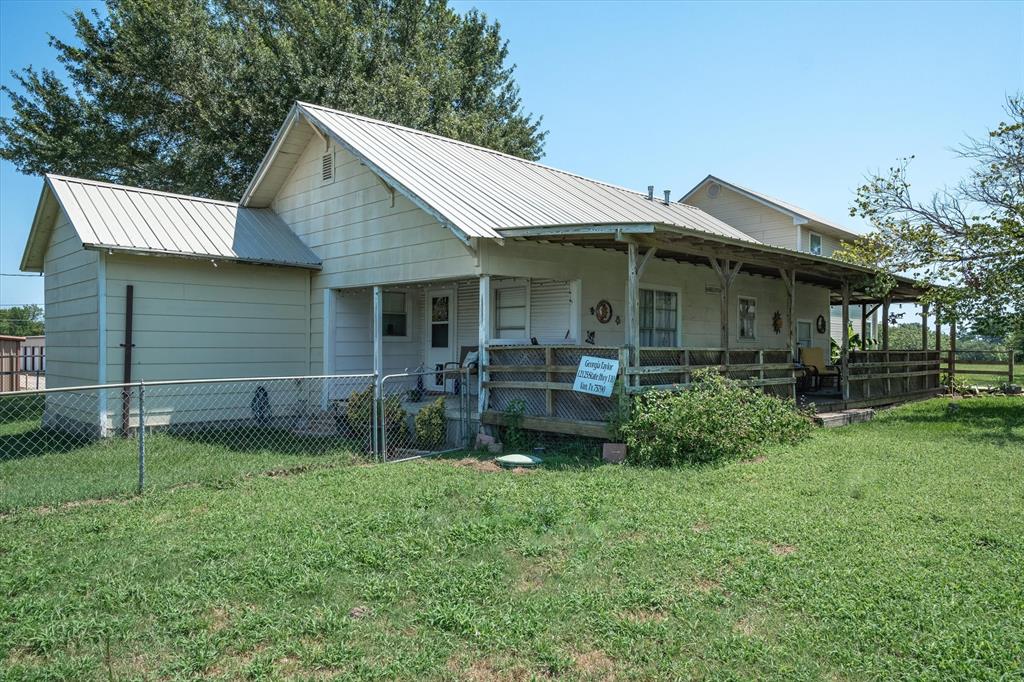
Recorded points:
(815, 358)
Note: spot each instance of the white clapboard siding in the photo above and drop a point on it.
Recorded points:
(72, 308)
(353, 338)
(365, 234)
(764, 223)
(194, 321)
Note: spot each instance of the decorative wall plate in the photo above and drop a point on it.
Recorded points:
(603, 311)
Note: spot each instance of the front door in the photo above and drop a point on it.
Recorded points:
(440, 337)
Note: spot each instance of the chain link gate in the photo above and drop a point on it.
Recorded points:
(424, 413)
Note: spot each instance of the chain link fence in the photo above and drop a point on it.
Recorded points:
(68, 444)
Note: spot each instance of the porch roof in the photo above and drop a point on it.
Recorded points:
(689, 246)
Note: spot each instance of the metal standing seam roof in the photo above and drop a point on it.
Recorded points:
(133, 219)
(480, 192)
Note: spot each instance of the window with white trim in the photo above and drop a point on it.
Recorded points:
(395, 314)
(659, 318)
(510, 312)
(803, 333)
(814, 243)
(748, 317)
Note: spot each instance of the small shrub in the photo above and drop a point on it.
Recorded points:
(956, 385)
(359, 412)
(432, 425)
(514, 436)
(714, 419)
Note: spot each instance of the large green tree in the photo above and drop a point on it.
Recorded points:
(966, 243)
(186, 95)
(22, 320)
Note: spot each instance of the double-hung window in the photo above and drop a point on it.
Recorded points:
(748, 318)
(510, 312)
(659, 318)
(395, 314)
(815, 243)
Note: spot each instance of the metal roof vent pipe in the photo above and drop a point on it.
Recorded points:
(668, 193)
(650, 192)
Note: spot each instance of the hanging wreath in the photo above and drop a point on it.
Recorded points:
(820, 324)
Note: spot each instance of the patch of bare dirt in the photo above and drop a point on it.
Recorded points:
(643, 616)
(745, 626)
(707, 585)
(219, 619)
(19, 656)
(755, 460)
(783, 549)
(700, 527)
(595, 665)
(482, 465)
(358, 612)
(489, 670)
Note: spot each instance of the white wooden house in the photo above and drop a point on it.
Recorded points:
(361, 245)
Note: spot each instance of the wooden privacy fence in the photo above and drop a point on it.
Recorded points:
(892, 374)
(986, 367)
(10, 368)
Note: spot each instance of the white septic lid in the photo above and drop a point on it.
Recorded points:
(516, 460)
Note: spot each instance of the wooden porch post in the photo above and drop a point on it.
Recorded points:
(727, 272)
(844, 354)
(633, 305)
(789, 279)
(924, 326)
(938, 327)
(863, 326)
(886, 302)
(952, 349)
(483, 339)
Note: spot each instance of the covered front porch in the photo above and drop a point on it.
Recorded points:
(662, 301)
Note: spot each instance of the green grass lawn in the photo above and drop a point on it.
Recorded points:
(40, 467)
(892, 549)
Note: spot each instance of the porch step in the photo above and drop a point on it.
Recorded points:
(831, 420)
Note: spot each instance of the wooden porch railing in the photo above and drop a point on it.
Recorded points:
(536, 381)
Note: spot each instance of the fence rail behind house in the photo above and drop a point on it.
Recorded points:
(982, 367)
(74, 443)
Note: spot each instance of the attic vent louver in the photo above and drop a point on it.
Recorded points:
(327, 168)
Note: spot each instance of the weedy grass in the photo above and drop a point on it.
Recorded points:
(891, 549)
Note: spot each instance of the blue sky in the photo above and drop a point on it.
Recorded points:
(797, 100)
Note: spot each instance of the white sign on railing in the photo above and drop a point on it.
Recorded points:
(596, 376)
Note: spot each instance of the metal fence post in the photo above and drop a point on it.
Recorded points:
(373, 413)
(142, 436)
